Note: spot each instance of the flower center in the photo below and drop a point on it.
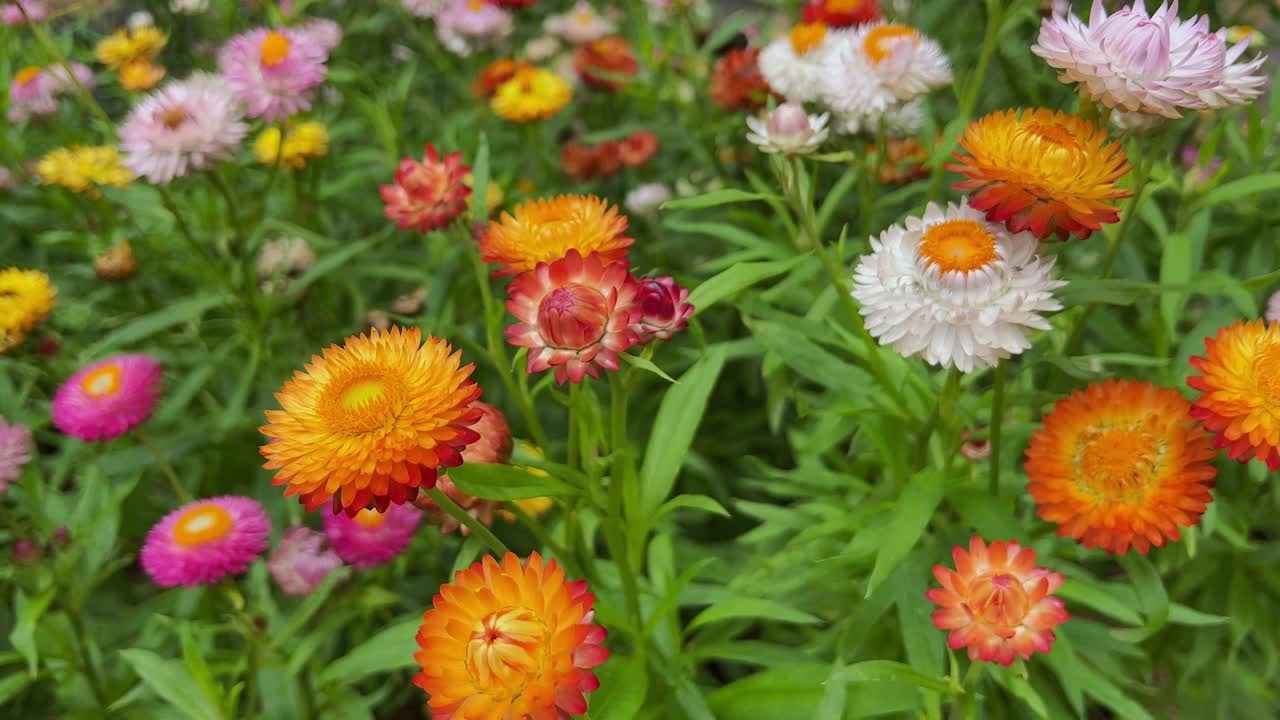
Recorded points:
(27, 74)
(1117, 463)
(173, 118)
(363, 392)
(370, 518)
(958, 246)
(1266, 372)
(999, 600)
(275, 48)
(584, 18)
(843, 6)
(367, 399)
(807, 36)
(203, 524)
(476, 5)
(879, 43)
(102, 382)
(573, 317)
(507, 651)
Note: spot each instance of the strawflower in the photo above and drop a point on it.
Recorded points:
(886, 63)
(140, 76)
(1239, 388)
(793, 65)
(15, 452)
(26, 297)
(273, 72)
(202, 542)
(302, 142)
(509, 640)
(1273, 308)
(494, 446)
(665, 309)
(543, 231)
(372, 537)
(637, 148)
(83, 168)
(116, 264)
(581, 24)
(429, 194)
(495, 74)
(841, 13)
(997, 603)
(302, 560)
(736, 81)
(531, 94)
(106, 399)
(1042, 171)
(130, 45)
(372, 421)
(647, 198)
(606, 64)
(186, 125)
(13, 13)
(1119, 465)
(323, 32)
(788, 130)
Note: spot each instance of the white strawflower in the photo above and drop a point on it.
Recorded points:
(882, 63)
(189, 7)
(899, 120)
(424, 8)
(582, 24)
(794, 65)
(185, 125)
(141, 19)
(647, 198)
(543, 47)
(954, 289)
(788, 130)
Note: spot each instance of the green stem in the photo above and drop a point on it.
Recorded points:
(944, 408)
(465, 518)
(573, 454)
(614, 524)
(221, 186)
(997, 422)
(545, 538)
(178, 490)
(86, 659)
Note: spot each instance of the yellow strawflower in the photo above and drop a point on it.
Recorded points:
(82, 168)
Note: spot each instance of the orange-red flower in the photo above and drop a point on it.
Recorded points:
(606, 64)
(1240, 390)
(841, 13)
(494, 446)
(496, 73)
(1121, 464)
(509, 641)
(904, 161)
(636, 149)
(543, 231)
(578, 161)
(736, 81)
(1043, 171)
(372, 421)
(997, 602)
(428, 194)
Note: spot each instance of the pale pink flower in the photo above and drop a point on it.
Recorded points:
(464, 24)
(274, 72)
(581, 25)
(302, 560)
(424, 8)
(1154, 63)
(1273, 308)
(186, 125)
(15, 451)
(32, 92)
(12, 12)
(788, 130)
(325, 33)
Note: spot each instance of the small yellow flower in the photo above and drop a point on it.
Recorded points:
(301, 142)
(140, 75)
(126, 46)
(493, 195)
(531, 94)
(26, 297)
(84, 167)
(1239, 33)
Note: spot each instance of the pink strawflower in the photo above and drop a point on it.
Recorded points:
(15, 451)
(32, 92)
(323, 32)
(274, 72)
(1273, 308)
(204, 541)
(12, 12)
(1154, 63)
(302, 560)
(106, 399)
(372, 538)
(425, 8)
(429, 194)
(666, 311)
(185, 125)
(475, 19)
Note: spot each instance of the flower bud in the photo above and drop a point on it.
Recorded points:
(26, 552)
(664, 307)
(117, 264)
(572, 317)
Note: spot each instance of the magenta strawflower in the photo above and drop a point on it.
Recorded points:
(302, 560)
(106, 399)
(273, 72)
(15, 451)
(204, 541)
(665, 306)
(12, 13)
(372, 538)
(185, 125)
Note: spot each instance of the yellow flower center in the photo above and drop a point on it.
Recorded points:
(584, 18)
(958, 246)
(203, 524)
(843, 6)
(877, 44)
(103, 381)
(27, 74)
(173, 118)
(363, 393)
(507, 650)
(807, 36)
(370, 518)
(364, 400)
(275, 48)
(1117, 462)
(999, 600)
(476, 5)
(1266, 372)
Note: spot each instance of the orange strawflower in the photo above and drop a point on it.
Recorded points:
(1043, 171)
(509, 641)
(636, 149)
(1121, 464)
(371, 422)
(736, 81)
(495, 74)
(997, 602)
(606, 64)
(1240, 386)
(543, 231)
(904, 161)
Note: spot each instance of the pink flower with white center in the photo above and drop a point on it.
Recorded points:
(323, 32)
(665, 306)
(1154, 63)
(581, 25)
(202, 542)
(788, 130)
(15, 451)
(302, 560)
(576, 315)
(108, 398)
(273, 72)
(12, 12)
(474, 19)
(185, 125)
(372, 538)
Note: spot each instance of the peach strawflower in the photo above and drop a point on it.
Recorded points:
(1043, 171)
(543, 231)
(494, 446)
(1240, 390)
(371, 422)
(1121, 464)
(997, 602)
(510, 641)
(429, 194)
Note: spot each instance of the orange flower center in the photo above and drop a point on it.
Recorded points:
(958, 246)
(1117, 462)
(807, 36)
(1266, 372)
(507, 651)
(102, 382)
(584, 18)
(1000, 601)
(203, 524)
(476, 5)
(275, 48)
(173, 118)
(843, 6)
(364, 400)
(878, 43)
(27, 74)
(370, 518)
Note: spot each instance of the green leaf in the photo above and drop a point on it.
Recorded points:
(491, 481)
(810, 360)
(623, 684)
(1183, 253)
(310, 606)
(391, 649)
(1018, 686)
(748, 608)
(878, 671)
(1251, 187)
(13, 684)
(671, 597)
(27, 613)
(198, 668)
(1183, 615)
(1084, 291)
(1097, 596)
(911, 515)
(183, 311)
(1152, 597)
(645, 363)
(330, 263)
(480, 175)
(695, 502)
(674, 427)
(713, 199)
(736, 279)
(170, 680)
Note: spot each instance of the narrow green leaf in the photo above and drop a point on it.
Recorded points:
(197, 666)
(390, 649)
(309, 606)
(694, 502)
(645, 363)
(713, 199)
(748, 608)
(491, 481)
(677, 421)
(736, 279)
(1254, 186)
(27, 613)
(170, 680)
(911, 515)
(1097, 596)
(480, 175)
(1183, 615)
(875, 671)
(1152, 597)
(183, 311)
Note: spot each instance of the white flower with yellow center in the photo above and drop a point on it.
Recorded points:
(954, 289)
(877, 65)
(793, 65)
